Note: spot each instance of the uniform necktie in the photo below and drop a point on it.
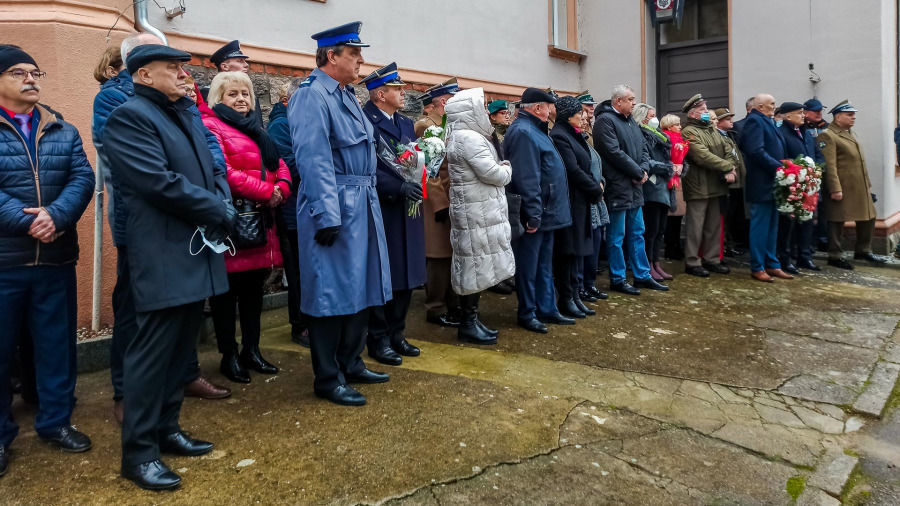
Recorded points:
(24, 121)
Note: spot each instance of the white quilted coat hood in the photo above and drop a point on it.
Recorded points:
(466, 110)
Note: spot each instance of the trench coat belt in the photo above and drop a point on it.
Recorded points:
(348, 180)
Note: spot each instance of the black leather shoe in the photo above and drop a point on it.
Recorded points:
(567, 307)
(556, 319)
(869, 257)
(596, 293)
(252, 359)
(403, 347)
(790, 268)
(584, 309)
(4, 460)
(153, 475)
(584, 296)
(300, 337)
(443, 320)
(717, 268)
(533, 325)
(179, 443)
(808, 265)
(344, 395)
(625, 288)
(68, 439)
(650, 283)
(501, 288)
(840, 263)
(484, 328)
(368, 377)
(231, 368)
(384, 354)
(696, 270)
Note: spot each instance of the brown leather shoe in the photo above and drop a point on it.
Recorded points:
(202, 388)
(762, 276)
(119, 411)
(778, 273)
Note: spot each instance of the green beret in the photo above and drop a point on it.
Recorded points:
(497, 106)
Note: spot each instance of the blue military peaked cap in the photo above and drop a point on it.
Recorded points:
(385, 76)
(449, 87)
(230, 50)
(344, 35)
(843, 107)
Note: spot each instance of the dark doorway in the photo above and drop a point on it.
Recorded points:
(694, 58)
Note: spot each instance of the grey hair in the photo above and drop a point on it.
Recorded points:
(294, 86)
(134, 40)
(750, 103)
(640, 112)
(322, 54)
(529, 105)
(620, 90)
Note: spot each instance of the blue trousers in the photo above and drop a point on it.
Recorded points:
(534, 275)
(41, 299)
(763, 236)
(631, 220)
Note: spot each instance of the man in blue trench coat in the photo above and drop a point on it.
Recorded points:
(340, 236)
(405, 233)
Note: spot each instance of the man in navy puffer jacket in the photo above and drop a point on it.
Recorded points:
(45, 186)
(114, 93)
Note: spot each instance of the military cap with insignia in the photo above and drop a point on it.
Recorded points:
(448, 87)
(142, 55)
(552, 93)
(844, 106)
(813, 105)
(586, 98)
(787, 107)
(426, 99)
(230, 50)
(344, 35)
(497, 106)
(692, 102)
(722, 113)
(385, 76)
(534, 96)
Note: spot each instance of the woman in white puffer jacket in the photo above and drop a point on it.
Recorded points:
(480, 232)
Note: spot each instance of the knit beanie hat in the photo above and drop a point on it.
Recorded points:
(566, 107)
(12, 55)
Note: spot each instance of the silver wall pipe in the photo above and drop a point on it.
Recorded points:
(143, 24)
(555, 9)
(98, 247)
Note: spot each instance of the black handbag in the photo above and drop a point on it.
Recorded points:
(514, 205)
(252, 222)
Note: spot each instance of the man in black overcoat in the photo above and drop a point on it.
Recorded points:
(405, 234)
(179, 208)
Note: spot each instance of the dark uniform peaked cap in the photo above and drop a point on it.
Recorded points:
(385, 76)
(844, 106)
(448, 87)
(344, 35)
(230, 50)
(692, 102)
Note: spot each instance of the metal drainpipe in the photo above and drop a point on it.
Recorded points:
(142, 24)
(555, 9)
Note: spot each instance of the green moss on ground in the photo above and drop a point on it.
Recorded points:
(795, 486)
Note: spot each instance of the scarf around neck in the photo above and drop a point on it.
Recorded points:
(251, 126)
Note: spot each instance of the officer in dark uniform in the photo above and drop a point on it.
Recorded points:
(405, 234)
(345, 268)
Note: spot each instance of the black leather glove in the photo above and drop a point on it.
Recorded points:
(326, 236)
(412, 191)
(230, 217)
(442, 215)
(216, 233)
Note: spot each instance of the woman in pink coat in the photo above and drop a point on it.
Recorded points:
(257, 174)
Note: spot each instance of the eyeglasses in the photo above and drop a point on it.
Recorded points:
(20, 74)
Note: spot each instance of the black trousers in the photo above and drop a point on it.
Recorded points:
(155, 363)
(288, 242)
(565, 275)
(655, 221)
(737, 226)
(245, 291)
(785, 242)
(388, 322)
(674, 249)
(335, 343)
(125, 326)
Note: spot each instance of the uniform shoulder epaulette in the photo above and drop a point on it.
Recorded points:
(306, 82)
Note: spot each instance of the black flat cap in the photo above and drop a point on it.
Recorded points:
(230, 50)
(787, 107)
(534, 95)
(142, 55)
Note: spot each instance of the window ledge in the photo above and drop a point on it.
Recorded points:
(565, 54)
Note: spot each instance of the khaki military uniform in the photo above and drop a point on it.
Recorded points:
(439, 296)
(845, 172)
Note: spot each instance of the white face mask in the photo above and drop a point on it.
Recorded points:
(653, 122)
(217, 247)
